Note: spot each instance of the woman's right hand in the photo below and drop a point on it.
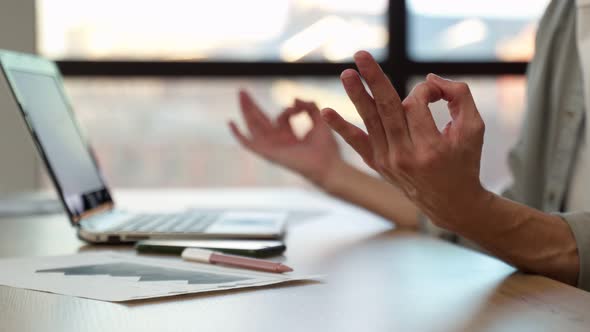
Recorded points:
(313, 156)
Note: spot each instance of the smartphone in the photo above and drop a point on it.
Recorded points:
(237, 247)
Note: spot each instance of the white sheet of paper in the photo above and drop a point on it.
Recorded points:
(116, 277)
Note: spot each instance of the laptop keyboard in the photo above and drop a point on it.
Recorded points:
(188, 222)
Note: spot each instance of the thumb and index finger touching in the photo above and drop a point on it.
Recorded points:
(457, 94)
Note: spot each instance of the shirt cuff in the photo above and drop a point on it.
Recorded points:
(579, 223)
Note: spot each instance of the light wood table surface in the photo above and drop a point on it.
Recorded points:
(377, 279)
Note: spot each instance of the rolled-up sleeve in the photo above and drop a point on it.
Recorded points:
(579, 223)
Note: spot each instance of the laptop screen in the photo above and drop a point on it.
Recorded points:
(64, 149)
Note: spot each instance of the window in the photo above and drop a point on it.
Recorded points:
(154, 83)
(221, 30)
(467, 30)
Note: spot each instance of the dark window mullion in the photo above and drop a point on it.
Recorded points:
(398, 72)
(397, 62)
(169, 68)
(469, 68)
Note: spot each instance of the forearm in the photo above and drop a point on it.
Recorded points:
(354, 186)
(527, 238)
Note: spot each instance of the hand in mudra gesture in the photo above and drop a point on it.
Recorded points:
(312, 155)
(439, 171)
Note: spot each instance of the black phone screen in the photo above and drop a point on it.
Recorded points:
(238, 247)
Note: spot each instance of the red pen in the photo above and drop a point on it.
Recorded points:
(211, 257)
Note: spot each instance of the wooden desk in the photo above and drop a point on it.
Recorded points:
(378, 279)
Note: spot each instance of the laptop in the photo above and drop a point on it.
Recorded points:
(38, 89)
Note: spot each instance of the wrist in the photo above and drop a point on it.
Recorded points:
(463, 216)
(480, 205)
(333, 176)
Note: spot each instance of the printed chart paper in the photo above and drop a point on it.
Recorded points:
(115, 277)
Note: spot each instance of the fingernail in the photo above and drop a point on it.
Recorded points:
(362, 57)
(435, 77)
(347, 74)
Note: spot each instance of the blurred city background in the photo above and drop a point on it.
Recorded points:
(172, 132)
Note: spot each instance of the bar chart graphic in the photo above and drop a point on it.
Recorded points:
(146, 273)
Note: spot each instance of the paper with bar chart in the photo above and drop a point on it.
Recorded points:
(117, 277)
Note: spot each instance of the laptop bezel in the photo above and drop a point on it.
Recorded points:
(101, 199)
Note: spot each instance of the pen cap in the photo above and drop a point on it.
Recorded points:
(197, 255)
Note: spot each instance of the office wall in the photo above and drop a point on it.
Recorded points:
(18, 159)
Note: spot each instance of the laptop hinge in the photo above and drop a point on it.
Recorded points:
(97, 210)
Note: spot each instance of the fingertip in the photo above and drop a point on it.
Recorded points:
(300, 104)
(439, 83)
(326, 112)
(244, 99)
(348, 74)
(247, 99)
(233, 126)
(436, 78)
(308, 106)
(447, 128)
(330, 116)
(238, 135)
(362, 55)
